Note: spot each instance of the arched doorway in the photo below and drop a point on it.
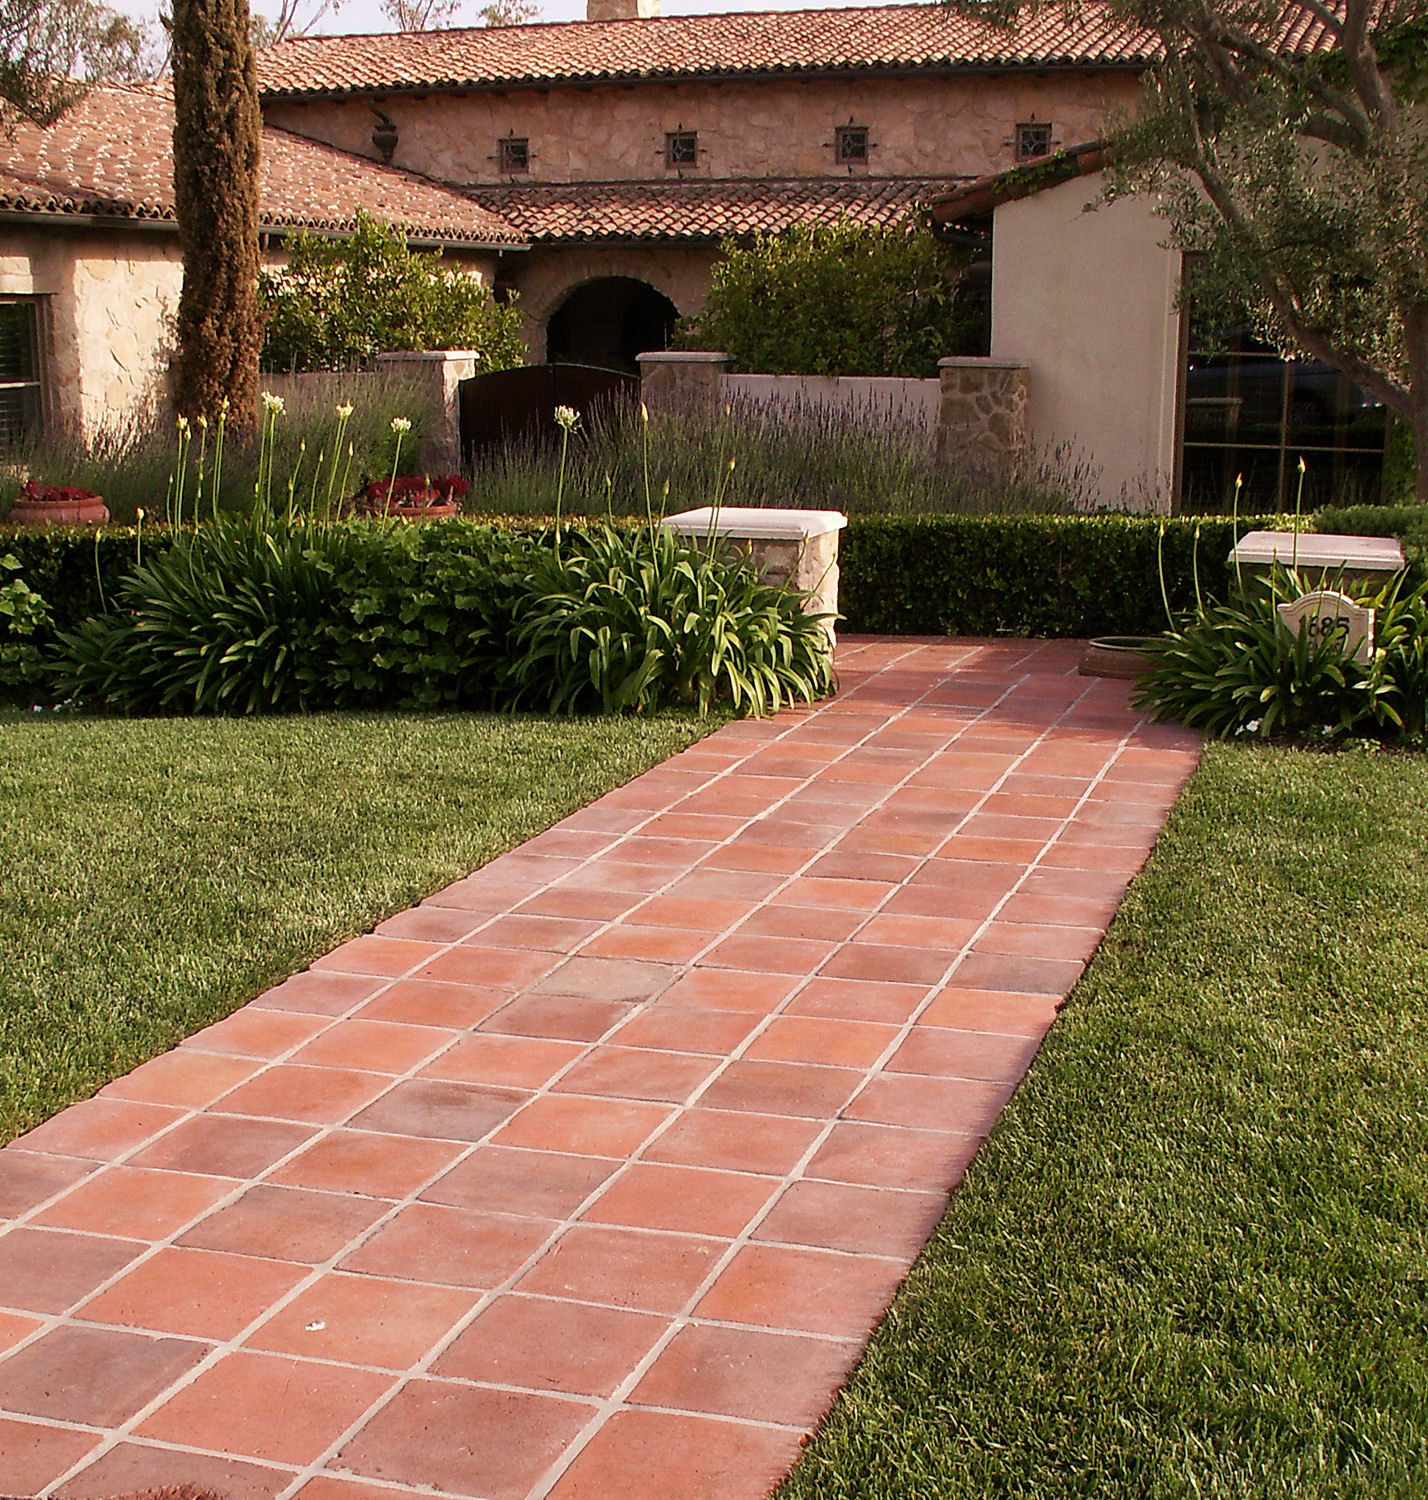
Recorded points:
(608, 322)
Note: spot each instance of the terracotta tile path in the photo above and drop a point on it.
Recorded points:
(589, 1176)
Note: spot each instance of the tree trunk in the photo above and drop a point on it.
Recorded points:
(217, 135)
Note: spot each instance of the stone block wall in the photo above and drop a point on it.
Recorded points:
(983, 418)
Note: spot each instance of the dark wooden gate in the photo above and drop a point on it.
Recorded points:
(518, 406)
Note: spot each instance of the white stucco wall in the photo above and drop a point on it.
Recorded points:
(1087, 302)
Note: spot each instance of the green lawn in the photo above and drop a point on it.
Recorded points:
(1192, 1259)
(160, 872)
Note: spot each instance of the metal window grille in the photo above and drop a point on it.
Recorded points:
(1032, 140)
(681, 148)
(852, 143)
(19, 368)
(514, 154)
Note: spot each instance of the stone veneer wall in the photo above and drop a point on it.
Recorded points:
(956, 126)
(109, 297)
(983, 417)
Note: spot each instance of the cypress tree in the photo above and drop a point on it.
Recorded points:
(217, 135)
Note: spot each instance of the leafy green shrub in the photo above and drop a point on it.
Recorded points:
(1234, 669)
(840, 299)
(24, 615)
(339, 303)
(628, 622)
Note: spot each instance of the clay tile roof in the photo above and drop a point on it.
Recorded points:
(111, 155)
(970, 200)
(921, 36)
(707, 211)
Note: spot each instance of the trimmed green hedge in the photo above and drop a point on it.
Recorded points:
(1029, 575)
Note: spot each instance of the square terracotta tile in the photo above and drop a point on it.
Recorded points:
(28, 1178)
(870, 1000)
(320, 992)
(267, 1406)
(15, 1329)
(201, 1293)
(491, 968)
(812, 1039)
(36, 1454)
(557, 1017)
(99, 1129)
(505, 1061)
(334, 1487)
(551, 1345)
(894, 1157)
(587, 905)
(182, 1078)
(804, 1291)
(361, 1161)
(763, 955)
(529, 930)
(635, 1454)
(707, 914)
(387, 957)
(432, 924)
(738, 1372)
(737, 1141)
(128, 1468)
(781, 1088)
(257, 1031)
(365, 1320)
(373, 1046)
(939, 934)
(1001, 1011)
(781, 858)
(450, 1246)
(281, 1223)
(1031, 976)
(684, 1029)
(665, 945)
(540, 1184)
(967, 1106)
(747, 886)
(508, 1439)
(779, 920)
(730, 989)
(623, 980)
(438, 1110)
(49, 1270)
(842, 894)
(638, 1073)
(861, 1220)
(584, 1126)
(136, 1202)
(687, 1200)
(96, 1376)
(317, 1096)
(899, 965)
(223, 1145)
(643, 1269)
(430, 1002)
(946, 1053)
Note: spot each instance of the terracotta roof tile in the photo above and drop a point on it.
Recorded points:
(112, 155)
(923, 36)
(700, 210)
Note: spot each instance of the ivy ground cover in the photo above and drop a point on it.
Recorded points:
(161, 872)
(1190, 1259)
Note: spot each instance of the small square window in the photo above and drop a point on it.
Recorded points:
(681, 148)
(513, 154)
(1032, 140)
(852, 143)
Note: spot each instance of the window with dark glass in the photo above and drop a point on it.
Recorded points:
(681, 148)
(851, 144)
(1250, 415)
(19, 368)
(513, 154)
(1032, 139)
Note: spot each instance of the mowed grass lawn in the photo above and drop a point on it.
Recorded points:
(159, 873)
(1192, 1258)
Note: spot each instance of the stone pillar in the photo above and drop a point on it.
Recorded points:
(437, 374)
(983, 416)
(681, 377)
(795, 549)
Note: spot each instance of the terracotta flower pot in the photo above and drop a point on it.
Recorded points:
(1118, 656)
(58, 505)
(412, 499)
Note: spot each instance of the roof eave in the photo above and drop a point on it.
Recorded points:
(674, 75)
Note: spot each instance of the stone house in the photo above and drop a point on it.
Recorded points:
(626, 147)
(90, 269)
